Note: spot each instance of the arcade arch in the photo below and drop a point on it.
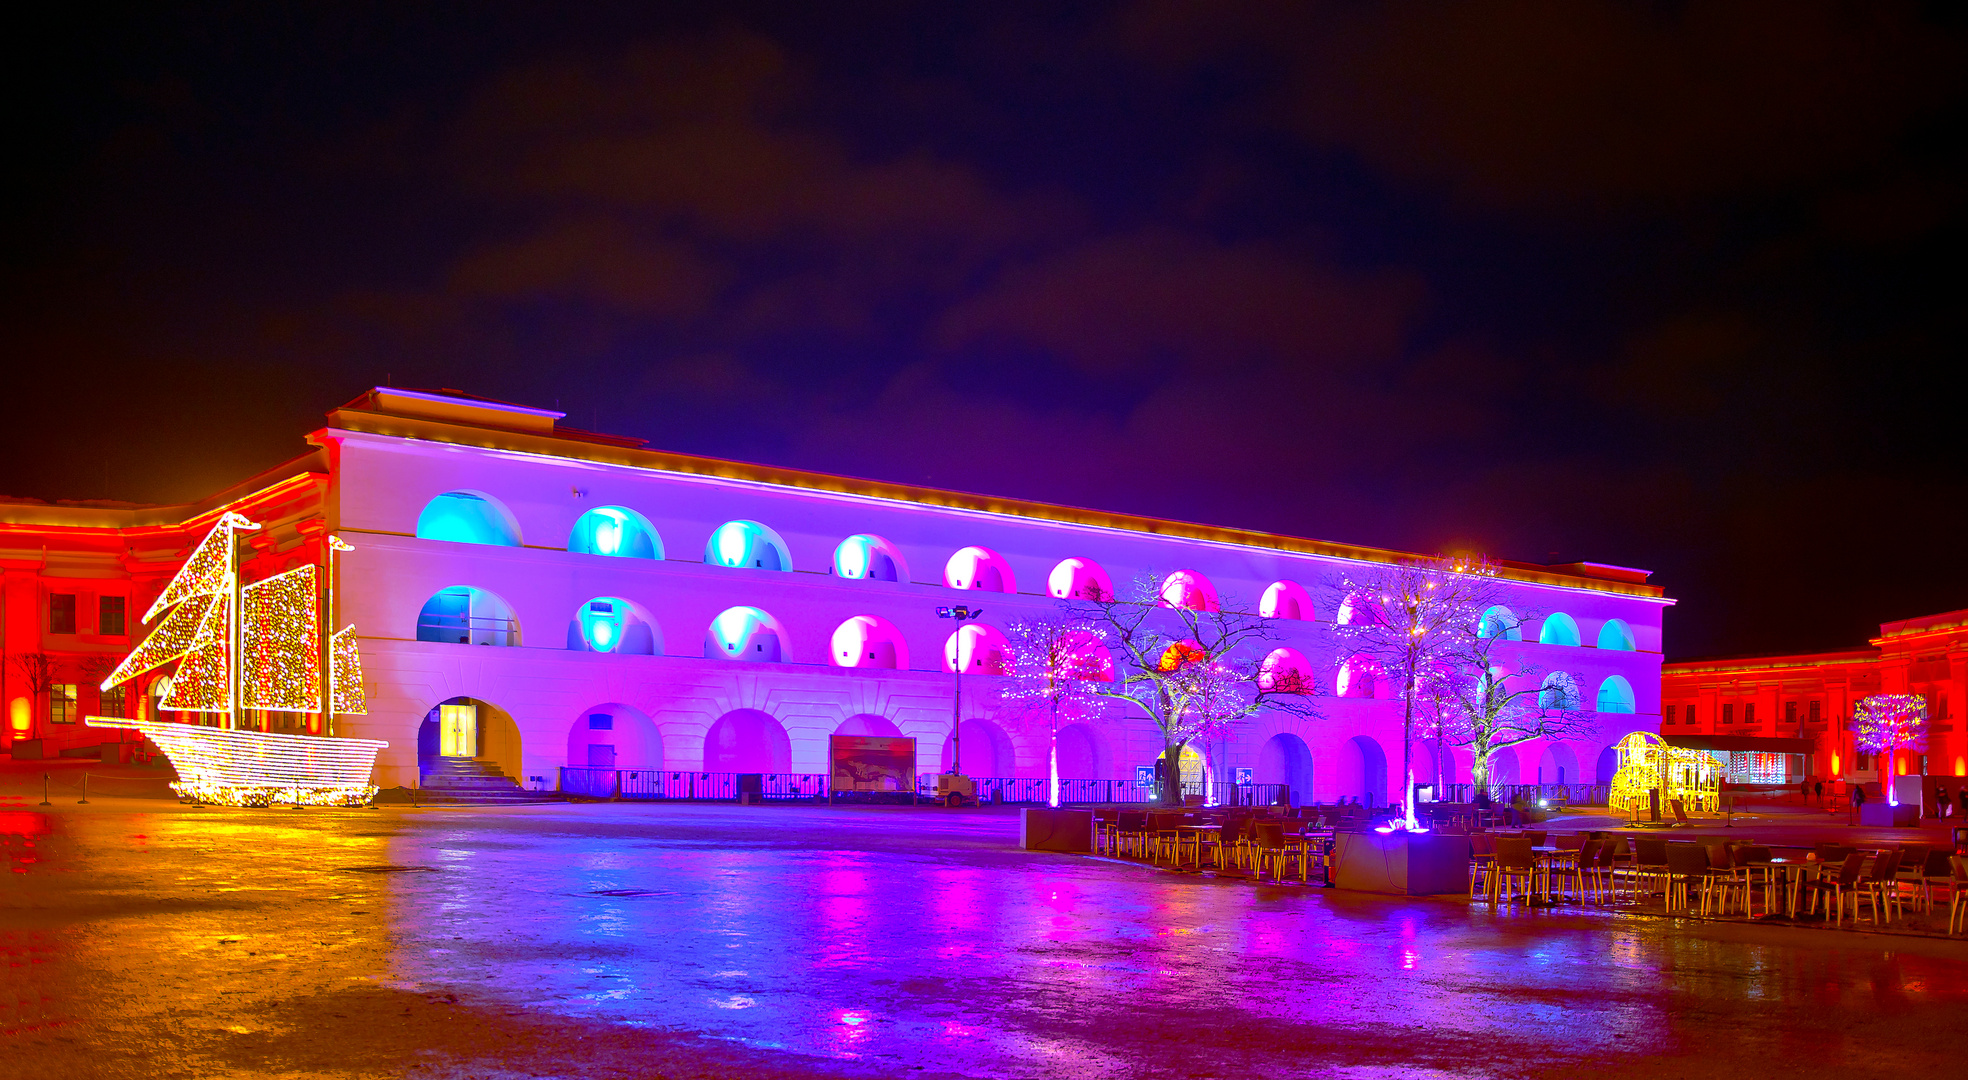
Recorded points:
(464, 615)
(468, 517)
(616, 531)
(614, 736)
(747, 741)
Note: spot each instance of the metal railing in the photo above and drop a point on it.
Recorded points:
(655, 784)
(467, 629)
(683, 786)
(1572, 794)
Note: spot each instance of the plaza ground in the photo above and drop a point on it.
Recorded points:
(145, 938)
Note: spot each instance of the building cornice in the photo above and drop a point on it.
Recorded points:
(587, 450)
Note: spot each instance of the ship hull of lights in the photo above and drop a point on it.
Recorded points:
(262, 768)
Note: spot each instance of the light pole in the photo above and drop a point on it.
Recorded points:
(961, 615)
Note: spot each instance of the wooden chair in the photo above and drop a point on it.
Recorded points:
(1912, 866)
(1131, 833)
(1880, 888)
(1272, 851)
(1603, 869)
(1723, 880)
(1514, 862)
(1958, 897)
(1836, 889)
(1649, 864)
(1687, 868)
(1569, 868)
(1482, 856)
(1932, 875)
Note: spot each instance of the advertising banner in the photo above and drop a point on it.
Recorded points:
(872, 763)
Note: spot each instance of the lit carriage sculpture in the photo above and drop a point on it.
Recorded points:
(253, 647)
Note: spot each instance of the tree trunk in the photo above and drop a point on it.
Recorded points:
(1172, 773)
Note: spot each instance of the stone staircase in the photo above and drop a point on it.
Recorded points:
(472, 782)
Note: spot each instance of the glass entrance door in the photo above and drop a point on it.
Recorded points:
(458, 730)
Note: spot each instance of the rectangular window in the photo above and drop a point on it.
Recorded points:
(1817, 712)
(113, 701)
(1790, 712)
(61, 702)
(1862, 761)
(1749, 713)
(61, 613)
(109, 617)
(601, 722)
(1667, 715)
(1728, 714)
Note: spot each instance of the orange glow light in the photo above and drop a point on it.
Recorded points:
(1834, 766)
(20, 716)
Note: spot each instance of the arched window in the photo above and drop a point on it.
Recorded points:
(1615, 695)
(1285, 671)
(1356, 678)
(979, 568)
(1188, 589)
(462, 615)
(869, 558)
(1558, 691)
(1079, 579)
(1616, 634)
(745, 633)
(976, 649)
(610, 624)
(747, 544)
(1285, 600)
(468, 517)
(1094, 660)
(869, 641)
(1356, 610)
(615, 530)
(1559, 629)
(1501, 623)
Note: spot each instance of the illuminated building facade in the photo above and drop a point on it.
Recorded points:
(1811, 696)
(535, 596)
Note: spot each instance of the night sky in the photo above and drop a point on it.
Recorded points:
(1669, 286)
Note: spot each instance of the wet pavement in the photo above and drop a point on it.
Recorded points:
(148, 939)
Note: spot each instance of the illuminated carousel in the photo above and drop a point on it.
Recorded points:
(285, 663)
(1646, 763)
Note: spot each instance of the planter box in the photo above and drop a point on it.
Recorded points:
(1405, 864)
(27, 749)
(1044, 829)
(1881, 816)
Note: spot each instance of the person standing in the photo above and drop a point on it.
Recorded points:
(1858, 800)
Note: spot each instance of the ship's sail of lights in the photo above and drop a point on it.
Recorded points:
(276, 624)
(280, 637)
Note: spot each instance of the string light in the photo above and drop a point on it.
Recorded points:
(280, 643)
(171, 640)
(202, 680)
(262, 768)
(205, 573)
(346, 674)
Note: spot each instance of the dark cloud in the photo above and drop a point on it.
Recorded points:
(1670, 286)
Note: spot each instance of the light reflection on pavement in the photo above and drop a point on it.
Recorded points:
(150, 939)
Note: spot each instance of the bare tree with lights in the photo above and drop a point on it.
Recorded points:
(1412, 622)
(37, 670)
(1490, 703)
(1887, 723)
(1196, 671)
(1051, 666)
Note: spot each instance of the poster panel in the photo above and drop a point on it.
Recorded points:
(872, 763)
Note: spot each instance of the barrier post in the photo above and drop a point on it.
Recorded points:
(84, 800)
(44, 790)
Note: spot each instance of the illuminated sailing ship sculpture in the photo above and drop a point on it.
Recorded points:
(274, 629)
